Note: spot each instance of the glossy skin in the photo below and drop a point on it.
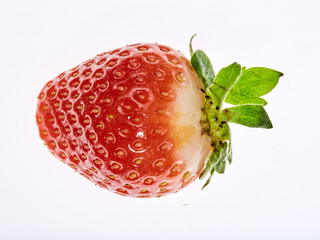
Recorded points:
(128, 120)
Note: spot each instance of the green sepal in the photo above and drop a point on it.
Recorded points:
(209, 178)
(229, 156)
(208, 168)
(201, 63)
(217, 161)
(225, 80)
(252, 84)
(220, 163)
(253, 116)
(226, 137)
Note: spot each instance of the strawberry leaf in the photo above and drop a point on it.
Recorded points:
(201, 63)
(248, 115)
(253, 83)
(225, 80)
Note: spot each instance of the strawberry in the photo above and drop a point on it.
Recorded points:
(142, 120)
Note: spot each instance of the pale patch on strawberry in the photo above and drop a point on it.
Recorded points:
(191, 146)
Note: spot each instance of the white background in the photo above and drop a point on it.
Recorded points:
(271, 190)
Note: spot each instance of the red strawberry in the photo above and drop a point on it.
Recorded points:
(128, 120)
(143, 121)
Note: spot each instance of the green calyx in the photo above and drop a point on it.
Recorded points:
(240, 87)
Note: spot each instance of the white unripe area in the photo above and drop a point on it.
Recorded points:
(192, 146)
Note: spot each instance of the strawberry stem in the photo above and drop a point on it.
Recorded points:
(190, 45)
